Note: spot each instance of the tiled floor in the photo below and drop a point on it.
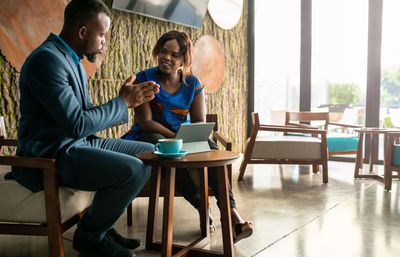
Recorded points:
(295, 215)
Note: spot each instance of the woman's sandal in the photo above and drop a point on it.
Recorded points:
(241, 231)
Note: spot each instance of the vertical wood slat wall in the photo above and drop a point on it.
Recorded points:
(132, 38)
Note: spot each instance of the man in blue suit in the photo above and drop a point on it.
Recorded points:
(58, 121)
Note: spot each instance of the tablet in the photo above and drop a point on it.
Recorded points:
(193, 132)
(195, 136)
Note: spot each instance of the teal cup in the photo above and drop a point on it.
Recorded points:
(169, 145)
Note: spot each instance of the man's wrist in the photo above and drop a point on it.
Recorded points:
(125, 101)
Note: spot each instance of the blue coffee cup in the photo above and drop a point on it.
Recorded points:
(169, 145)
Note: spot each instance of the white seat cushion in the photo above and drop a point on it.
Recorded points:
(287, 147)
(19, 204)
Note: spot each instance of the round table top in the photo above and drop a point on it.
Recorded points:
(213, 158)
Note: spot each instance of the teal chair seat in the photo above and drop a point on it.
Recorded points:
(396, 156)
(338, 142)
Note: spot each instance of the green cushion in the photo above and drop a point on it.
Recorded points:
(338, 142)
(298, 134)
(396, 155)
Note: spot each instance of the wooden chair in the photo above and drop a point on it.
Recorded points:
(217, 137)
(391, 158)
(285, 149)
(339, 143)
(46, 213)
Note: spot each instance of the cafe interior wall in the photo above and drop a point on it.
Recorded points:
(131, 40)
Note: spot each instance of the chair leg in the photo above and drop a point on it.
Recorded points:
(129, 214)
(388, 182)
(56, 247)
(388, 178)
(325, 173)
(242, 169)
(315, 168)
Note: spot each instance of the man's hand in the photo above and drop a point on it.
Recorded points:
(137, 94)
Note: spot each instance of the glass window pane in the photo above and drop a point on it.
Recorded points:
(339, 59)
(277, 56)
(390, 68)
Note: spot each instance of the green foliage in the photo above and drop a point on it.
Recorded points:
(390, 82)
(344, 94)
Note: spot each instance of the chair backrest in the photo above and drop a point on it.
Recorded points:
(213, 118)
(308, 117)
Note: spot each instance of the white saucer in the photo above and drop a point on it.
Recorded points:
(173, 156)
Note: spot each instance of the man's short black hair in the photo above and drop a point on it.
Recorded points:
(79, 12)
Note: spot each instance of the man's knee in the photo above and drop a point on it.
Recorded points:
(136, 174)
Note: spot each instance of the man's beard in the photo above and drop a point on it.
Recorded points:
(91, 57)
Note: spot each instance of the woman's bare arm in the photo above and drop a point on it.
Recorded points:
(198, 108)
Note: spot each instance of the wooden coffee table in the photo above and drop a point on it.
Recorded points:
(215, 158)
(373, 132)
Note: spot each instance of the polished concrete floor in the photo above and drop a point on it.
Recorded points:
(294, 214)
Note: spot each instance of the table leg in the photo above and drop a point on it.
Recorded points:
(387, 171)
(204, 204)
(225, 211)
(359, 158)
(153, 206)
(168, 212)
(371, 152)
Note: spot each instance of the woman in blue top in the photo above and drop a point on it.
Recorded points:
(180, 100)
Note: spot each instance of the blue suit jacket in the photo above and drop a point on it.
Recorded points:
(56, 111)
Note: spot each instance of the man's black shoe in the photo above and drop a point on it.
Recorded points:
(130, 243)
(106, 248)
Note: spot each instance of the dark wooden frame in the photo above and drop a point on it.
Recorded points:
(217, 137)
(390, 139)
(54, 228)
(285, 129)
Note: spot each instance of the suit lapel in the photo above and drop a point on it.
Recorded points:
(84, 88)
(74, 68)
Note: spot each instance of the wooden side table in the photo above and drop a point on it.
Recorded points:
(374, 132)
(215, 158)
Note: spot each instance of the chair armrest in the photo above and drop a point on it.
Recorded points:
(28, 162)
(8, 142)
(223, 140)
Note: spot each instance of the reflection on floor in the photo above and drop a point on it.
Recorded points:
(293, 212)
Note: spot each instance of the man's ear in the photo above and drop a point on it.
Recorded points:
(82, 32)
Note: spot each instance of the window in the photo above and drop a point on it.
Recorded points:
(339, 58)
(277, 56)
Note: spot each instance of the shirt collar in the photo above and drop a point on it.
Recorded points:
(75, 57)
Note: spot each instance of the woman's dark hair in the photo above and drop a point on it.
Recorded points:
(79, 12)
(185, 48)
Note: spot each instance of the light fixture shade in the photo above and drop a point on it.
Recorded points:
(225, 13)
